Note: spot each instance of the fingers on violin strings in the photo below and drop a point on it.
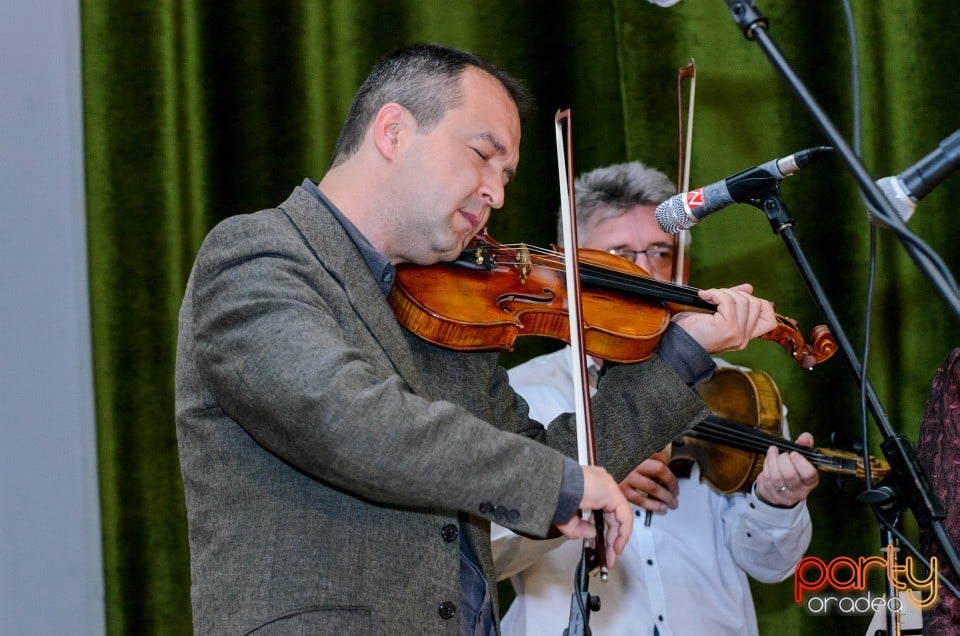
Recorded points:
(772, 469)
(805, 439)
(808, 474)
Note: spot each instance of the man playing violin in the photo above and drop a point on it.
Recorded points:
(685, 572)
(340, 472)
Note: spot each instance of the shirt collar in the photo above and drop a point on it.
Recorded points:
(378, 264)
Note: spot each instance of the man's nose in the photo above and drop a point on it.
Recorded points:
(492, 191)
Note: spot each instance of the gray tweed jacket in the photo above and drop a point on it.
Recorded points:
(332, 461)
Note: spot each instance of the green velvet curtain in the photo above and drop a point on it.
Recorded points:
(198, 110)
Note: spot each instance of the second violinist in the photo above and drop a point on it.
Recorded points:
(685, 573)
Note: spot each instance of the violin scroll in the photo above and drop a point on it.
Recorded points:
(824, 345)
(787, 335)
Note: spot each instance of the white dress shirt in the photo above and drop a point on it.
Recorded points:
(684, 574)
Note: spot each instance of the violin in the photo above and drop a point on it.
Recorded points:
(494, 293)
(730, 445)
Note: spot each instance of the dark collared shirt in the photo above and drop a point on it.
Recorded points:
(381, 268)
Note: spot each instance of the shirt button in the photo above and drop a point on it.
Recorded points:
(449, 532)
(447, 610)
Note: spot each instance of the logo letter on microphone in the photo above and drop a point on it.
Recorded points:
(693, 200)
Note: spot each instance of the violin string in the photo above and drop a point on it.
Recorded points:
(642, 285)
(597, 274)
(556, 258)
(760, 449)
(759, 440)
(739, 436)
(648, 286)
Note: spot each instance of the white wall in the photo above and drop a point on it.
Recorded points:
(51, 578)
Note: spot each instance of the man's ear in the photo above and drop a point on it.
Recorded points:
(386, 129)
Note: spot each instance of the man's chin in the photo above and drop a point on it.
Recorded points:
(451, 255)
(445, 251)
(454, 251)
(438, 255)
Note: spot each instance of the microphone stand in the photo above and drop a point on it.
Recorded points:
(909, 485)
(754, 27)
(581, 601)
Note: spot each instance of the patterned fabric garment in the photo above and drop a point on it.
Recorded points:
(939, 453)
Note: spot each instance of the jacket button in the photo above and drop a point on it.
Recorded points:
(447, 610)
(449, 532)
(486, 507)
(499, 512)
(513, 516)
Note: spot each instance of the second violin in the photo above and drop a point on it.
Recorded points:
(729, 446)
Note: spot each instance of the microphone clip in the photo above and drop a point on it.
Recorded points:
(768, 199)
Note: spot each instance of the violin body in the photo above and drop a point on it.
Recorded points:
(750, 398)
(487, 305)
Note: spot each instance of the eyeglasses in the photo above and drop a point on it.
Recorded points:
(659, 256)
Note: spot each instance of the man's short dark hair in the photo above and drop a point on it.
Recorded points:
(424, 79)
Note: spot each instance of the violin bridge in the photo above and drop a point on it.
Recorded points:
(523, 263)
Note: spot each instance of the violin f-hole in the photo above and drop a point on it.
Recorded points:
(548, 298)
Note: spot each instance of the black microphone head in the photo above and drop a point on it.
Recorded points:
(671, 215)
(922, 177)
(805, 157)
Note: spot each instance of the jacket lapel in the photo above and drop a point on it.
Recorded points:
(337, 254)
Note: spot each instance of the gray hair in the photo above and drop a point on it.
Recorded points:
(424, 79)
(610, 191)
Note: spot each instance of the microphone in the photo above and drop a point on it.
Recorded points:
(684, 210)
(905, 189)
